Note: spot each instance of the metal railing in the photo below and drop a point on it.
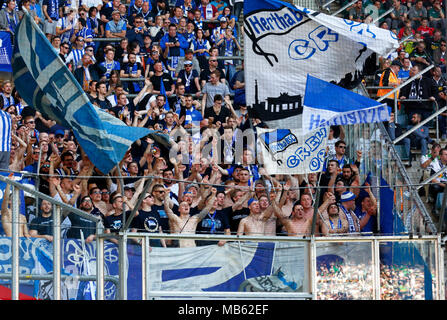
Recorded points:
(433, 257)
(57, 213)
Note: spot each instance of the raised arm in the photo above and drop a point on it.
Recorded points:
(208, 206)
(238, 204)
(168, 208)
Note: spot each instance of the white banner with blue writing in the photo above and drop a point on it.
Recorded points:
(289, 151)
(284, 43)
(321, 109)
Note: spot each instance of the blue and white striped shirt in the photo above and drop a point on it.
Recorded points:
(5, 131)
(76, 56)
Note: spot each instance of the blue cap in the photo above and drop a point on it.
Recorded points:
(347, 196)
(250, 201)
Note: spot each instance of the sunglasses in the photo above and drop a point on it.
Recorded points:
(29, 122)
(342, 147)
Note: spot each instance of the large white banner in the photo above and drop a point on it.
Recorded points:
(283, 44)
(289, 151)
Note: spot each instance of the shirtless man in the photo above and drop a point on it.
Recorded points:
(297, 225)
(7, 217)
(306, 203)
(266, 208)
(255, 223)
(184, 223)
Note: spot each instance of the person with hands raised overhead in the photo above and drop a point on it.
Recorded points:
(297, 224)
(335, 223)
(366, 211)
(184, 223)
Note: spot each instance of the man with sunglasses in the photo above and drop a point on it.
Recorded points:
(189, 77)
(205, 75)
(138, 31)
(96, 197)
(148, 220)
(341, 157)
(30, 123)
(158, 192)
(75, 56)
(63, 51)
(82, 227)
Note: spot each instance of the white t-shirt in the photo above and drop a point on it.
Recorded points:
(434, 165)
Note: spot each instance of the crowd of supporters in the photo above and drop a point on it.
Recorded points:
(346, 281)
(175, 68)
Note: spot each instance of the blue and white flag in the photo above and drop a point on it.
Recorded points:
(45, 83)
(284, 43)
(290, 151)
(5, 51)
(163, 92)
(321, 108)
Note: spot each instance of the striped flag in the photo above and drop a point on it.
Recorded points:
(45, 83)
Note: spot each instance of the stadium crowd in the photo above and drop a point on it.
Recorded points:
(341, 281)
(175, 68)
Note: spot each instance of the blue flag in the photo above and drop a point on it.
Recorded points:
(44, 82)
(5, 51)
(163, 92)
(320, 108)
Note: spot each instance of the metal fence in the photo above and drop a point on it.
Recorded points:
(362, 262)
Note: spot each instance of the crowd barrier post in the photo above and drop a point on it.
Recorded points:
(122, 245)
(15, 243)
(57, 252)
(376, 265)
(443, 207)
(407, 133)
(344, 7)
(99, 266)
(146, 273)
(383, 15)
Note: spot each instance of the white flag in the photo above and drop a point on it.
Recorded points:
(289, 151)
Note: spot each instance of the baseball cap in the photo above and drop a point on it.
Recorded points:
(347, 196)
(223, 19)
(251, 200)
(59, 132)
(187, 62)
(116, 11)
